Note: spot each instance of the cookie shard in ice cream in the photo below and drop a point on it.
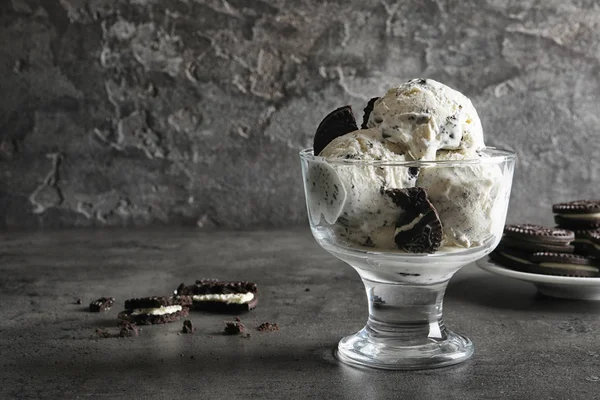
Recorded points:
(368, 216)
(335, 124)
(325, 192)
(418, 229)
(367, 112)
(466, 199)
(424, 116)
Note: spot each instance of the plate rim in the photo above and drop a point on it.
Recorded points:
(488, 265)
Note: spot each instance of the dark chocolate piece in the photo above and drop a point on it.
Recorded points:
(102, 304)
(418, 229)
(367, 112)
(335, 124)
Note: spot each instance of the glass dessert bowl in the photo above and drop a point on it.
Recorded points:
(407, 227)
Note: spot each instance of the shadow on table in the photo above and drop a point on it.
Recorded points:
(510, 294)
(261, 373)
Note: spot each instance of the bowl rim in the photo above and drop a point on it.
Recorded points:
(493, 155)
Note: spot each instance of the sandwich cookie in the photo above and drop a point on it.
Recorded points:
(565, 264)
(579, 214)
(512, 258)
(587, 243)
(221, 296)
(535, 238)
(155, 310)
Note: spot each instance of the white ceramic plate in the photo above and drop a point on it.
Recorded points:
(563, 287)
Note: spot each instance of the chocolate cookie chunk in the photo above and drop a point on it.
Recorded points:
(267, 327)
(129, 330)
(539, 234)
(154, 310)
(221, 296)
(587, 243)
(187, 327)
(234, 328)
(419, 229)
(335, 124)
(102, 304)
(367, 112)
(565, 264)
(579, 214)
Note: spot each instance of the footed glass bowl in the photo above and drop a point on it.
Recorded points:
(353, 217)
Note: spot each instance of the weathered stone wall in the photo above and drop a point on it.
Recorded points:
(192, 111)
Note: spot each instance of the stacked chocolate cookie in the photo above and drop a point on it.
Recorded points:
(571, 249)
(583, 218)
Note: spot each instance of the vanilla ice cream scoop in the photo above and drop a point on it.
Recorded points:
(423, 116)
(466, 198)
(368, 215)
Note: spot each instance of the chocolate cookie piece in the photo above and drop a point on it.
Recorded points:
(418, 229)
(102, 304)
(267, 327)
(154, 310)
(129, 330)
(579, 214)
(367, 112)
(539, 234)
(335, 124)
(221, 296)
(565, 264)
(234, 328)
(103, 333)
(587, 243)
(187, 327)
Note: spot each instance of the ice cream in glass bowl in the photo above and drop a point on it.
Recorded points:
(407, 199)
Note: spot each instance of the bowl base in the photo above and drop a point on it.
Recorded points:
(365, 350)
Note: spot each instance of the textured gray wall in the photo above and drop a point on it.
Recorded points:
(192, 111)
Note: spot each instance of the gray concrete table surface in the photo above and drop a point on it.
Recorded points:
(527, 346)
